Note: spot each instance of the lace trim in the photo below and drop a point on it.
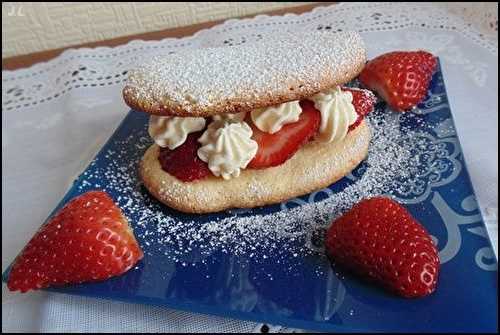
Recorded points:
(103, 66)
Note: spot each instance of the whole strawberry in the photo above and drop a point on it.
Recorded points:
(87, 240)
(379, 239)
(401, 78)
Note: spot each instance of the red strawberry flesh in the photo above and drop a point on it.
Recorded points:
(275, 149)
(363, 101)
(401, 78)
(87, 240)
(183, 162)
(379, 240)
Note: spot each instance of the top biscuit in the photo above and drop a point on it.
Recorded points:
(211, 81)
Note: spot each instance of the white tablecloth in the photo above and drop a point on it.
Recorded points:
(56, 116)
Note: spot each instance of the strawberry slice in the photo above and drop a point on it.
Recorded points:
(379, 240)
(87, 240)
(401, 78)
(275, 149)
(183, 162)
(363, 101)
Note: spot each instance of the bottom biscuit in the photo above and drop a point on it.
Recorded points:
(316, 165)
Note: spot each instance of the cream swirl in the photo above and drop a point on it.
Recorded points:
(227, 147)
(171, 132)
(234, 116)
(337, 114)
(272, 119)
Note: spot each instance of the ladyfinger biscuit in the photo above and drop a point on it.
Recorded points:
(211, 81)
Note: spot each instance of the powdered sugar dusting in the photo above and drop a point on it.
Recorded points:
(292, 228)
(288, 64)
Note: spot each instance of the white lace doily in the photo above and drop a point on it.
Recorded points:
(72, 103)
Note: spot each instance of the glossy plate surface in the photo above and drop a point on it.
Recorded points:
(300, 289)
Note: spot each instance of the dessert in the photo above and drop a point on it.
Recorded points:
(87, 240)
(401, 78)
(379, 239)
(252, 125)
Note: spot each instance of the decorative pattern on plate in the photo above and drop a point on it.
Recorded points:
(452, 220)
(434, 151)
(436, 164)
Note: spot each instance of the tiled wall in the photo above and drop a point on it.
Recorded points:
(31, 27)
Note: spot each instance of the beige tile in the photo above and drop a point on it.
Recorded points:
(31, 27)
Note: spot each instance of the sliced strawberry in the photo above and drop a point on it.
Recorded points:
(401, 78)
(87, 240)
(275, 149)
(183, 162)
(380, 240)
(363, 101)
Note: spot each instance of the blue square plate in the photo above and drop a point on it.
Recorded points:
(279, 274)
